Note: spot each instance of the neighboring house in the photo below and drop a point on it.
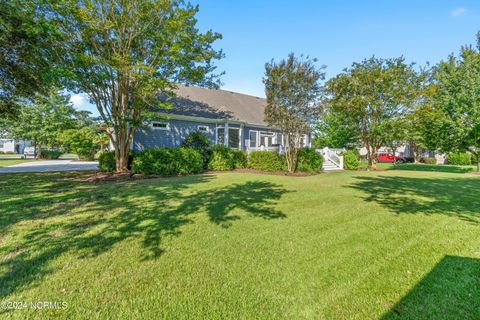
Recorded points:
(407, 152)
(13, 146)
(228, 118)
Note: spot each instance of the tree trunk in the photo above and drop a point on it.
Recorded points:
(122, 151)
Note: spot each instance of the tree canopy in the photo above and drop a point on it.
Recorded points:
(373, 93)
(293, 95)
(124, 54)
(27, 54)
(455, 105)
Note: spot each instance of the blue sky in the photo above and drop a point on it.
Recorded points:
(337, 33)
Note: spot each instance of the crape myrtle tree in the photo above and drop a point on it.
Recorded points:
(373, 93)
(456, 103)
(293, 100)
(124, 54)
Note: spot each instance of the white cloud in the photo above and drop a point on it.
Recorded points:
(457, 12)
(79, 101)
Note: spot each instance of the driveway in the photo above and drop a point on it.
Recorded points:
(51, 165)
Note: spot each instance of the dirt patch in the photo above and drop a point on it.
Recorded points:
(115, 177)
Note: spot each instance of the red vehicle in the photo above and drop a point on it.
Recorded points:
(384, 157)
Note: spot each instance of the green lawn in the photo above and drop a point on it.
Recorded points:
(350, 245)
(10, 162)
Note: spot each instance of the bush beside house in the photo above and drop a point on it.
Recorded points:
(266, 161)
(224, 159)
(168, 161)
(198, 141)
(309, 160)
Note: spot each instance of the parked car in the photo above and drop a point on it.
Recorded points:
(384, 157)
(29, 152)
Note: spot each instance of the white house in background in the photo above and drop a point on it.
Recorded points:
(11, 145)
(406, 151)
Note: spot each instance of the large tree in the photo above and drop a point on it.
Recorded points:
(456, 103)
(124, 54)
(293, 100)
(371, 95)
(333, 130)
(27, 54)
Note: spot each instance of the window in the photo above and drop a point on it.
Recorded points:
(220, 135)
(252, 136)
(266, 138)
(202, 128)
(1, 145)
(160, 125)
(234, 138)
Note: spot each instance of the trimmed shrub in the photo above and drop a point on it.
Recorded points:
(429, 160)
(107, 162)
(224, 158)
(1, 152)
(9, 152)
(168, 161)
(309, 160)
(49, 154)
(266, 161)
(350, 160)
(459, 159)
(239, 159)
(198, 141)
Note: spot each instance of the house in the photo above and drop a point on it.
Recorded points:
(228, 118)
(13, 146)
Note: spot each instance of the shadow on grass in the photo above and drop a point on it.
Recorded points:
(408, 195)
(450, 291)
(71, 217)
(432, 168)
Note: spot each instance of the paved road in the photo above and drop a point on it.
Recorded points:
(50, 165)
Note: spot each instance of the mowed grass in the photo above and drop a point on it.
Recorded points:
(11, 162)
(349, 245)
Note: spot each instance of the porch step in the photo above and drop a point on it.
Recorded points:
(330, 166)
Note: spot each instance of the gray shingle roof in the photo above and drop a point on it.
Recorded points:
(218, 104)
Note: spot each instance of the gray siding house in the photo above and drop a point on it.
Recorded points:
(233, 119)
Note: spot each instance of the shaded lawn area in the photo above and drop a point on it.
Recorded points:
(11, 162)
(349, 245)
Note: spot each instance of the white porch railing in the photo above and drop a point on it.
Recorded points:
(333, 160)
(278, 149)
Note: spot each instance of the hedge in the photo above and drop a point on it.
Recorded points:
(459, 159)
(168, 161)
(266, 161)
(198, 141)
(223, 159)
(49, 154)
(309, 160)
(350, 160)
(107, 162)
